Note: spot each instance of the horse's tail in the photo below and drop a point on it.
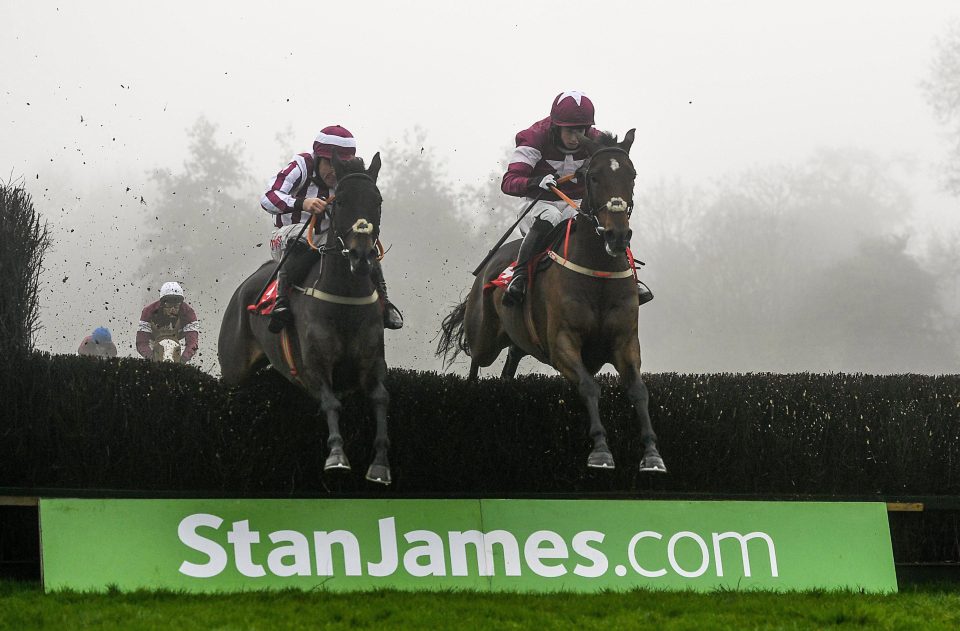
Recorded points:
(452, 335)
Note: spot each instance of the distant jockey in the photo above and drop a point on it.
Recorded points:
(546, 151)
(98, 344)
(169, 318)
(301, 188)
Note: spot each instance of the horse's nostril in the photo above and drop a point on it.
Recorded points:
(373, 254)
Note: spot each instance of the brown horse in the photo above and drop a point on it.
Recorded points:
(580, 313)
(337, 344)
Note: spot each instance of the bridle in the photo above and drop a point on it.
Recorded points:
(361, 226)
(617, 205)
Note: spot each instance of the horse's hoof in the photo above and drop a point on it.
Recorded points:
(379, 473)
(600, 460)
(652, 464)
(337, 460)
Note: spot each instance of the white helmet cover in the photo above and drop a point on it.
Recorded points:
(171, 289)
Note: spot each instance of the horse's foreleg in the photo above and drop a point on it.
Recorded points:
(514, 355)
(627, 363)
(379, 470)
(331, 406)
(567, 359)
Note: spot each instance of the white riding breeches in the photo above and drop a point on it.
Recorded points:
(554, 212)
(283, 237)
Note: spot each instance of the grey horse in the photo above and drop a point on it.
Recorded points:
(336, 342)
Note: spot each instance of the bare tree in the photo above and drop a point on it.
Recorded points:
(432, 249)
(791, 267)
(942, 90)
(203, 230)
(24, 240)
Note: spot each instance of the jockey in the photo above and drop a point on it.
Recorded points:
(546, 151)
(296, 192)
(98, 344)
(168, 318)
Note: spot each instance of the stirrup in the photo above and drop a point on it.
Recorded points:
(392, 318)
(516, 291)
(644, 295)
(280, 318)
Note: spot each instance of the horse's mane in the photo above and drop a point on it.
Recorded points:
(606, 139)
(353, 165)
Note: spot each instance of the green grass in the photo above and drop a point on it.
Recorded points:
(25, 606)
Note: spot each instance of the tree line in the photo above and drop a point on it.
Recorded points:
(793, 267)
(804, 266)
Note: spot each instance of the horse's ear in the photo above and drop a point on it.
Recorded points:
(627, 141)
(374, 169)
(591, 145)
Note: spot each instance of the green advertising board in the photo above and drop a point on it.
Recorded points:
(516, 545)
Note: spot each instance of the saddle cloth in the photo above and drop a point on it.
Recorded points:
(503, 279)
(265, 305)
(537, 264)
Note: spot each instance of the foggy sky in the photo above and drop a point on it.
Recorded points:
(93, 97)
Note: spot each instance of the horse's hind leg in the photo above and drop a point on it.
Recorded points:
(627, 362)
(379, 470)
(483, 332)
(237, 348)
(514, 355)
(568, 361)
(237, 366)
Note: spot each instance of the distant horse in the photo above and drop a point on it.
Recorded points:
(337, 345)
(580, 313)
(167, 350)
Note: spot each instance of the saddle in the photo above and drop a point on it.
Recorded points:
(264, 306)
(539, 262)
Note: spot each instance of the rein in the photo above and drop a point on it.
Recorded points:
(311, 225)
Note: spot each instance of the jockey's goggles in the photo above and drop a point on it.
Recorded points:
(170, 302)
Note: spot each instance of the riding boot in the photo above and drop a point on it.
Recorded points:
(299, 261)
(517, 288)
(281, 316)
(392, 318)
(643, 292)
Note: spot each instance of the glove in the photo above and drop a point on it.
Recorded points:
(314, 205)
(548, 181)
